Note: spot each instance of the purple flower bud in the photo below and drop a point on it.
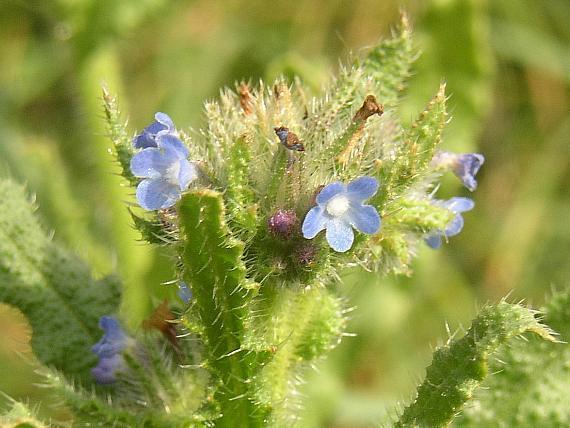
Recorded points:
(283, 223)
(306, 255)
(109, 350)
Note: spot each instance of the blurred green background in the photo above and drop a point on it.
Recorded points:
(507, 65)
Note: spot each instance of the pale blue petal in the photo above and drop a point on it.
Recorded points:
(362, 188)
(459, 205)
(152, 162)
(165, 120)
(184, 292)
(157, 194)
(364, 218)
(105, 371)
(329, 191)
(434, 241)
(466, 167)
(339, 235)
(314, 222)
(165, 140)
(113, 340)
(187, 173)
(455, 226)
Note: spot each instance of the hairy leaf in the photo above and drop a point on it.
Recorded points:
(531, 381)
(459, 367)
(53, 288)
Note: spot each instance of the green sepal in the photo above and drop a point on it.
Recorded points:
(52, 287)
(459, 367)
(417, 215)
(153, 232)
(118, 134)
(415, 151)
(389, 65)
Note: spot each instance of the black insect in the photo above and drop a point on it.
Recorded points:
(289, 139)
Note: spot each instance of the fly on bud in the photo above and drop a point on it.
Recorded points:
(289, 139)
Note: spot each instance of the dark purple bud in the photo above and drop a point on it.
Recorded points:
(283, 223)
(306, 255)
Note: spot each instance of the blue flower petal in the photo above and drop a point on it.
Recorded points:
(113, 340)
(155, 194)
(434, 241)
(455, 226)
(329, 191)
(165, 120)
(187, 174)
(107, 368)
(364, 218)
(153, 162)
(362, 188)
(339, 235)
(458, 204)
(165, 140)
(466, 167)
(184, 292)
(147, 138)
(314, 222)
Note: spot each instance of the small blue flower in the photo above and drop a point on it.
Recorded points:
(339, 209)
(166, 172)
(457, 206)
(147, 138)
(184, 292)
(109, 350)
(465, 166)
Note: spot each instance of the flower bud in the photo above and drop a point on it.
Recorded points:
(283, 223)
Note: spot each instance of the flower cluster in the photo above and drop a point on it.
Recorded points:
(109, 350)
(162, 163)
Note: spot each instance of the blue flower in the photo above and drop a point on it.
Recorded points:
(147, 138)
(465, 166)
(166, 172)
(457, 206)
(184, 292)
(109, 350)
(339, 209)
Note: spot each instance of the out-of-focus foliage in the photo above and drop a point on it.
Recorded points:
(507, 69)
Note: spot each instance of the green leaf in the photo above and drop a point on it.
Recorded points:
(459, 367)
(52, 287)
(531, 381)
(214, 268)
